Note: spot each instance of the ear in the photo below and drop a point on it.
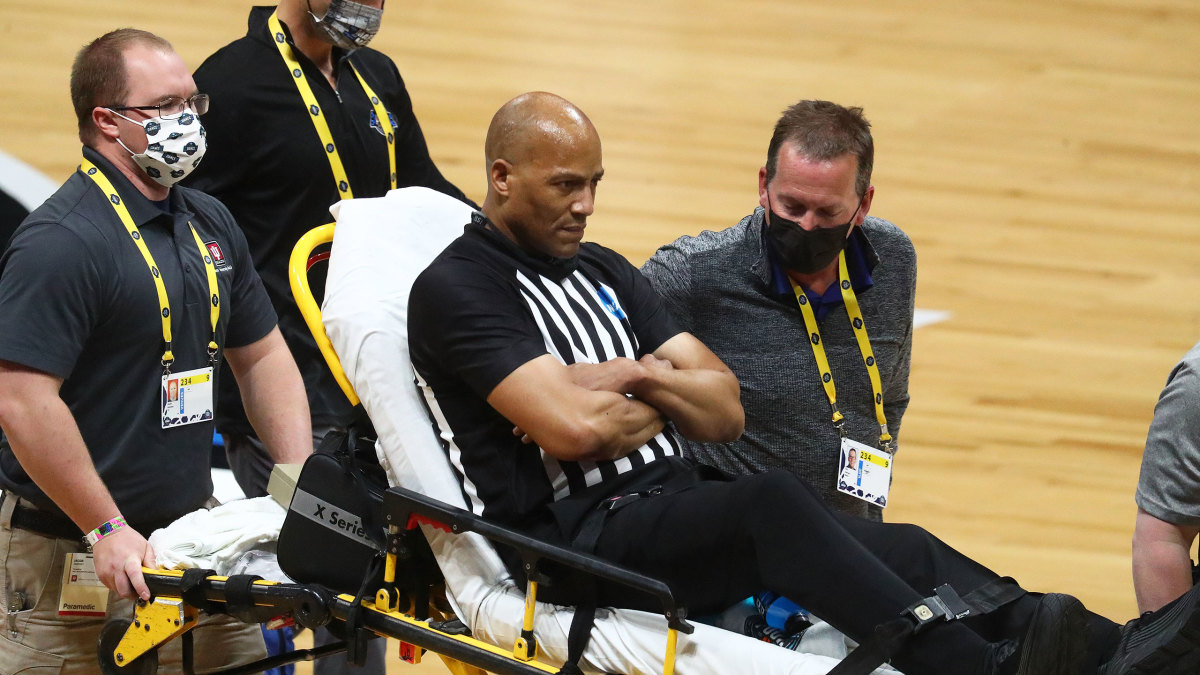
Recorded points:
(499, 175)
(762, 188)
(866, 206)
(106, 122)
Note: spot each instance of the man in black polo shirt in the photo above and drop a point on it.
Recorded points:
(304, 115)
(560, 384)
(119, 296)
(269, 161)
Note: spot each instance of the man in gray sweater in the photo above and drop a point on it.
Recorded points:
(1168, 491)
(810, 302)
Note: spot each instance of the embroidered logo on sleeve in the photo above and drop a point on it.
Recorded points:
(218, 257)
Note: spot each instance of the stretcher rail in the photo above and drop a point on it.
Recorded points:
(313, 605)
(400, 505)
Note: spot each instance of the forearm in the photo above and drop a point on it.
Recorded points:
(576, 413)
(620, 428)
(1162, 564)
(273, 396)
(51, 450)
(46, 441)
(704, 404)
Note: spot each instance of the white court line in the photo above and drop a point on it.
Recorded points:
(24, 183)
(927, 317)
(225, 487)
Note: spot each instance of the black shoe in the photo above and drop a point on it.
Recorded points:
(1055, 643)
(1166, 642)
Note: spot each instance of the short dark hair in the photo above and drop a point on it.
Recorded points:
(823, 130)
(98, 74)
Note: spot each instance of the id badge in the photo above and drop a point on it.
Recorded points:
(866, 473)
(81, 593)
(187, 397)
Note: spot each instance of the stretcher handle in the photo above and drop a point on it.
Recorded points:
(302, 292)
(308, 604)
(400, 504)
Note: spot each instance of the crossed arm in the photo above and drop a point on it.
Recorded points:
(605, 411)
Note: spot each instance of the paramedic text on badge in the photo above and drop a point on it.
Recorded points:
(81, 593)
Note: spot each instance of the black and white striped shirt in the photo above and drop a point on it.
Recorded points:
(483, 309)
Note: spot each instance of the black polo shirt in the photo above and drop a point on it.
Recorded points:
(266, 163)
(77, 301)
(485, 307)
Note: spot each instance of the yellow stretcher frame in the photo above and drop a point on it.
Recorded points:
(168, 616)
(153, 624)
(302, 292)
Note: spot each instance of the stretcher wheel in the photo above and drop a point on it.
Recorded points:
(110, 637)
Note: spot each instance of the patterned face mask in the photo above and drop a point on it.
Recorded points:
(349, 24)
(175, 147)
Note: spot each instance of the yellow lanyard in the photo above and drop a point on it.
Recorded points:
(318, 119)
(168, 357)
(864, 346)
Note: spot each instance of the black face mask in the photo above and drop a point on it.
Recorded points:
(806, 251)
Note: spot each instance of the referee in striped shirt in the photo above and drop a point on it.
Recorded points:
(560, 386)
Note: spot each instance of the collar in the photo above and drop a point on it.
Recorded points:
(257, 26)
(545, 265)
(257, 30)
(141, 209)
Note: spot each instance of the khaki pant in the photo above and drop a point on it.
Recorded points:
(35, 640)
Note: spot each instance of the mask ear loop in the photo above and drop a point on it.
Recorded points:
(131, 121)
(853, 216)
(315, 18)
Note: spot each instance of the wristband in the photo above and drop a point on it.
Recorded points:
(104, 530)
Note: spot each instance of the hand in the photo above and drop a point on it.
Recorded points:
(652, 361)
(616, 375)
(119, 559)
(517, 431)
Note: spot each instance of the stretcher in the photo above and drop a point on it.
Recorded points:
(392, 610)
(442, 587)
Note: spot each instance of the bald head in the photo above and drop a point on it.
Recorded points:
(522, 125)
(544, 162)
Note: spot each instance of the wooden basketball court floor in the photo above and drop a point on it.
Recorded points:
(1043, 156)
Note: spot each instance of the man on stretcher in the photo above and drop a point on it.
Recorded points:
(559, 384)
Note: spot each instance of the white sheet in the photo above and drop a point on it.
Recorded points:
(217, 537)
(380, 246)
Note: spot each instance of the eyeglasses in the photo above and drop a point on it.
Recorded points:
(172, 107)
